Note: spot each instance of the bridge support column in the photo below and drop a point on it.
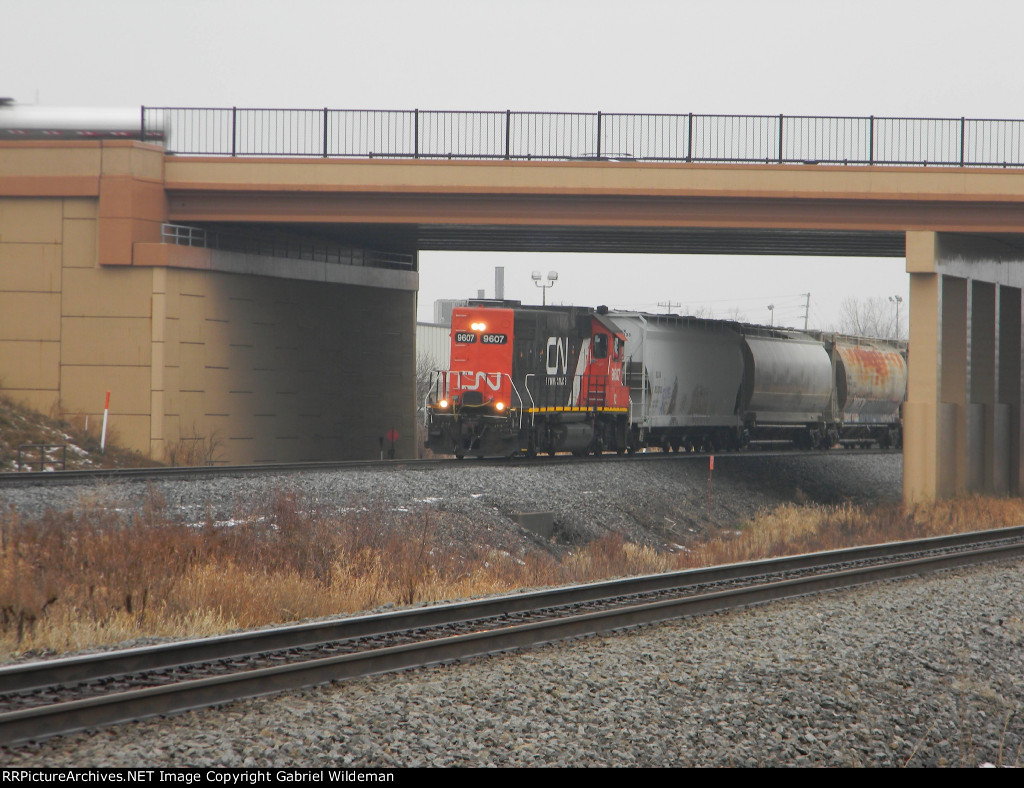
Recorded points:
(962, 418)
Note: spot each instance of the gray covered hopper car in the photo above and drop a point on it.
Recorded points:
(711, 384)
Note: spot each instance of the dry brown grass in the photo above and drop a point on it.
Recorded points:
(792, 529)
(93, 576)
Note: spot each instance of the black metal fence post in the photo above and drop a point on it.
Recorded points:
(963, 123)
(416, 133)
(142, 124)
(598, 148)
(234, 137)
(780, 138)
(325, 132)
(871, 140)
(689, 137)
(508, 131)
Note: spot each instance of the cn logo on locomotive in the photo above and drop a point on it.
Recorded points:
(557, 357)
(474, 381)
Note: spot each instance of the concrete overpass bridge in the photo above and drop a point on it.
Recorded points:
(261, 305)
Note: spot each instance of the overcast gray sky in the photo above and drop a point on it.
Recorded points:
(937, 58)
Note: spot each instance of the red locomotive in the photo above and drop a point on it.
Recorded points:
(530, 379)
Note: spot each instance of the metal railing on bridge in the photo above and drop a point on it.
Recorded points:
(294, 248)
(423, 134)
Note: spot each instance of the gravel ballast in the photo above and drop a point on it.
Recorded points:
(661, 503)
(921, 672)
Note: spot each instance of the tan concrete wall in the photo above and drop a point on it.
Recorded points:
(201, 365)
(31, 276)
(69, 328)
(205, 365)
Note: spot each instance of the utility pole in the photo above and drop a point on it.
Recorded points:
(807, 309)
(668, 306)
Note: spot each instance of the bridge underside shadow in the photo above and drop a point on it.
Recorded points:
(413, 237)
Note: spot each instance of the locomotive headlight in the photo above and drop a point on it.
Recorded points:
(478, 326)
(442, 404)
(499, 406)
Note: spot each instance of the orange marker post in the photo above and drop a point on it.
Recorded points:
(711, 469)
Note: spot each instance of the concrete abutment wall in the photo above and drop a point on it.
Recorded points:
(206, 356)
(256, 369)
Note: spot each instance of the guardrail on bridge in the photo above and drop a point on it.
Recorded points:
(429, 134)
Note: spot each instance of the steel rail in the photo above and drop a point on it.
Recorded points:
(43, 673)
(29, 478)
(45, 721)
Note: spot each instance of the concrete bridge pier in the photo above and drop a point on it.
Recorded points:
(962, 418)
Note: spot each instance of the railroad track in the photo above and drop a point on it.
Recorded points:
(36, 478)
(48, 698)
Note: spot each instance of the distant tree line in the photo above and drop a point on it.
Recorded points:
(872, 317)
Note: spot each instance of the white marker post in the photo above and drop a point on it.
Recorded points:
(103, 436)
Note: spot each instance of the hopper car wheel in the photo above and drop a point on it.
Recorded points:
(459, 455)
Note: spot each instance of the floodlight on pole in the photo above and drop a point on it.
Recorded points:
(897, 299)
(771, 311)
(551, 279)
